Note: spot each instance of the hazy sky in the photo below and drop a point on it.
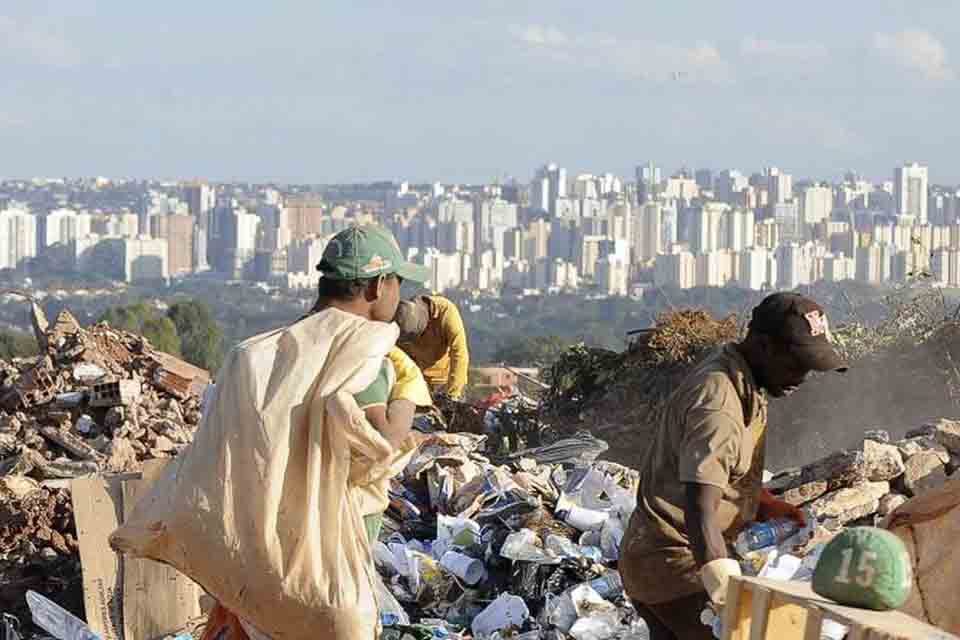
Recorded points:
(349, 90)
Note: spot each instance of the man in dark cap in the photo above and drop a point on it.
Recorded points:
(701, 481)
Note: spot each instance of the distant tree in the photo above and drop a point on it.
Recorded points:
(535, 351)
(17, 344)
(201, 337)
(146, 321)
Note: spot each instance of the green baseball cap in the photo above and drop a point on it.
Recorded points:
(367, 251)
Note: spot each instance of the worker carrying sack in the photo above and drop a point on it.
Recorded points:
(864, 567)
(262, 510)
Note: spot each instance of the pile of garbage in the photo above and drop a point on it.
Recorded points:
(522, 549)
(94, 401)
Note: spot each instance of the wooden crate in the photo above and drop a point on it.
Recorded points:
(757, 609)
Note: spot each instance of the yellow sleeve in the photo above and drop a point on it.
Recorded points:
(409, 384)
(455, 335)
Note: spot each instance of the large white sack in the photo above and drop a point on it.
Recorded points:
(262, 509)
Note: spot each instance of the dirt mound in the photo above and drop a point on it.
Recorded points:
(619, 396)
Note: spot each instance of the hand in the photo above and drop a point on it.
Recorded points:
(716, 576)
(771, 508)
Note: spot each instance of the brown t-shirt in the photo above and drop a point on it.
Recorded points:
(712, 432)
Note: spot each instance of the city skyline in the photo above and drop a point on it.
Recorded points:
(340, 92)
(601, 234)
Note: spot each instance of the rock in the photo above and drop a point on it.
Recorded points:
(121, 456)
(877, 435)
(47, 553)
(924, 471)
(884, 461)
(852, 503)
(890, 502)
(10, 424)
(914, 445)
(17, 487)
(164, 444)
(836, 471)
(947, 433)
(9, 445)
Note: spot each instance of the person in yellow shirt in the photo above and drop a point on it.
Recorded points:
(432, 334)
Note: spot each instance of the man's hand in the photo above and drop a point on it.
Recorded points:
(771, 508)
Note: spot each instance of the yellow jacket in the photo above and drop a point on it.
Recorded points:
(441, 351)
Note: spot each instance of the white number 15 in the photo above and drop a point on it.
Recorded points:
(865, 568)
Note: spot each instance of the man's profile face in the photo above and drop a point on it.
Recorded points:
(385, 307)
(782, 372)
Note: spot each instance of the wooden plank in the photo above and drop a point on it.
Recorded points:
(857, 633)
(97, 508)
(157, 600)
(758, 613)
(786, 619)
(736, 624)
(893, 623)
(814, 624)
(731, 608)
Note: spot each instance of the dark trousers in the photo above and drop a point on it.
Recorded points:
(677, 619)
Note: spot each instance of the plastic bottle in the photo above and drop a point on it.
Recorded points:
(765, 534)
(56, 620)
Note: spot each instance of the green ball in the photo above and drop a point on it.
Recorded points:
(865, 567)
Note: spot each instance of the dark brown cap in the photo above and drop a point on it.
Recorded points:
(801, 324)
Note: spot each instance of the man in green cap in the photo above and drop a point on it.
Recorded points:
(361, 270)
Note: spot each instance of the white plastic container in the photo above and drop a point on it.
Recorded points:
(468, 569)
(506, 611)
(586, 519)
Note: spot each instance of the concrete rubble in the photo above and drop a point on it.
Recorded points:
(95, 401)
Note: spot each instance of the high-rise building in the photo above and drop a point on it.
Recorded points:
(177, 230)
(612, 275)
(873, 263)
(816, 203)
(549, 184)
(647, 233)
(794, 264)
(758, 269)
(141, 259)
(910, 191)
(838, 267)
(706, 223)
(649, 178)
(60, 226)
(704, 178)
(717, 268)
(779, 186)
(305, 217)
(678, 269)
(18, 237)
(737, 229)
(945, 267)
(787, 217)
(201, 198)
(305, 254)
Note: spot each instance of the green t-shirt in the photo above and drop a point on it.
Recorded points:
(379, 390)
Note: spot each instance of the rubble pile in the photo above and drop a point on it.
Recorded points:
(863, 486)
(95, 400)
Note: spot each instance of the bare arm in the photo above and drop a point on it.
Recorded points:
(700, 514)
(394, 422)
